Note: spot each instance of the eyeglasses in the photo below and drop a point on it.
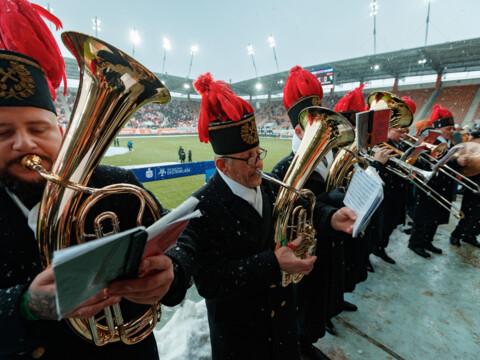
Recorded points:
(252, 160)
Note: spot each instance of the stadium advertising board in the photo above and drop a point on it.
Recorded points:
(325, 76)
(155, 172)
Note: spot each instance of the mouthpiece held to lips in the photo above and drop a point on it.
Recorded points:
(30, 161)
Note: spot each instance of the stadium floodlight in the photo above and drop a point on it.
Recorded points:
(374, 8)
(96, 26)
(135, 37)
(166, 47)
(280, 82)
(422, 61)
(258, 86)
(193, 52)
(250, 52)
(376, 67)
(271, 40)
(428, 20)
(186, 86)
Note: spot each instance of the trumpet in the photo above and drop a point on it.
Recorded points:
(420, 179)
(460, 176)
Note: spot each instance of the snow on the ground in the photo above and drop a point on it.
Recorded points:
(186, 335)
(116, 150)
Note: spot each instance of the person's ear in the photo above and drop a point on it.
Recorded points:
(220, 163)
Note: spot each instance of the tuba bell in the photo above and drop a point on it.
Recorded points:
(324, 129)
(402, 116)
(112, 87)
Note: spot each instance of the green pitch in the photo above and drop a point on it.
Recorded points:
(172, 192)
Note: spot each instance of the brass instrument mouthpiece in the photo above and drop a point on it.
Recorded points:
(30, 161)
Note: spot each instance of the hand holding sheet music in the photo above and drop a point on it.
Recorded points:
(82, 271)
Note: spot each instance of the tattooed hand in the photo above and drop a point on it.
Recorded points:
(41, 296)
(41, 300)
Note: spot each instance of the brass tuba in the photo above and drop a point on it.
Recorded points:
(401, 117)
(112, 87)
(324, 129)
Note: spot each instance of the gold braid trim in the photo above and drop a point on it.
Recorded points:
(235, 123)
(20, 59)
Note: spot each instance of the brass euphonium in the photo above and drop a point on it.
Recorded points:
(324, 129)
(112, 87)
(341, 169)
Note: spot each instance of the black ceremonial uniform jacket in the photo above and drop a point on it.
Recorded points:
(391, 211)
(319, 295)
(251, 316)
(20, 263)
(427, 209)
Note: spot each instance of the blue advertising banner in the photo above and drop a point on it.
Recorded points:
(162, 171)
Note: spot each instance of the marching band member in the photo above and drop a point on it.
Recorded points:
(31, 69)
(236, 269)
(427, 213)
(302, 89)
(468, 228)
(391, 211)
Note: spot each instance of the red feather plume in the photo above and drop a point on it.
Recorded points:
(410, 104)
(352, 101)
(23, 30)
(439, 113)
(219, 102)
(300, 83)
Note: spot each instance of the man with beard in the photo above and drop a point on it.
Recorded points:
(28, 125)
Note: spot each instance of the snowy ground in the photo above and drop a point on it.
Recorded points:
(184, 333)
(116, 150)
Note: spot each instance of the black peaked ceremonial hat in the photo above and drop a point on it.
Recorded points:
(23, 82)
(226, 120)
(31, 64)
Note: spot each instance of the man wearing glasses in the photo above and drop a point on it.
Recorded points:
(230, 249)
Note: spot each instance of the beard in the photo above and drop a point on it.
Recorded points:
(30, 193)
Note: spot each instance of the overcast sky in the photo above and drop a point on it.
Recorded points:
(306, 32)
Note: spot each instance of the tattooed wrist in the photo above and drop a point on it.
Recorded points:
(42, 304)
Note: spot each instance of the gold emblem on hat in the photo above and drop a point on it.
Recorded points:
(249, 132)
(316, 101)
(16, 82)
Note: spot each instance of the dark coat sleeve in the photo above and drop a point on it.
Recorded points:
(219, 273)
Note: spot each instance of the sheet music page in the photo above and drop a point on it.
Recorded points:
(364, 194)
(362, 129)
(182, 212)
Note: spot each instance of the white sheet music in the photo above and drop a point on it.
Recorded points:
(364, 195)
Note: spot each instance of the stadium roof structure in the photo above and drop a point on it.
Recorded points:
(458, 56)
